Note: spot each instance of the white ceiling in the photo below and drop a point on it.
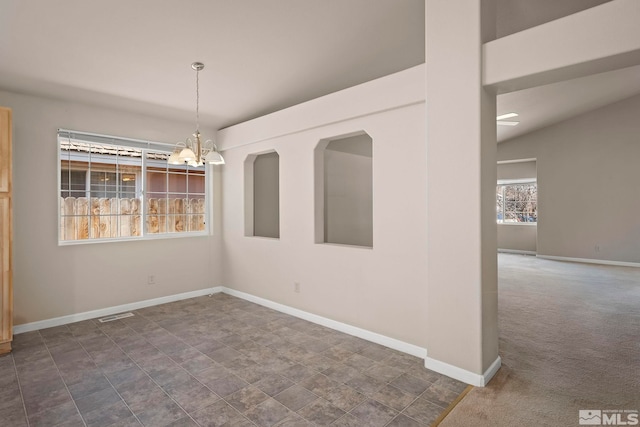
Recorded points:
(543, 106)
(260, 55)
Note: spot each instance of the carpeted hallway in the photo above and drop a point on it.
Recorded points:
(569, 340)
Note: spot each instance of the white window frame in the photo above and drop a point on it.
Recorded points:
(145, 146)
(527, 181)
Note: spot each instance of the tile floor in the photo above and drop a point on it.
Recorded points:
(213, 361)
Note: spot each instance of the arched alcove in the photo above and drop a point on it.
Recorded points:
(344, 190)
(262, 194)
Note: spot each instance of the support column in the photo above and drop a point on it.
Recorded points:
(462, 340)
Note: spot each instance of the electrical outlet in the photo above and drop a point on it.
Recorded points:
(151, 279)
(296, 287)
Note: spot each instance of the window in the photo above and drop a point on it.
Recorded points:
(517, 203)
(114, 188)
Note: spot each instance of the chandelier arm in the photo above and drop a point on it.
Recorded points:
(207, 147)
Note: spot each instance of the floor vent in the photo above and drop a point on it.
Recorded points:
(115, 317)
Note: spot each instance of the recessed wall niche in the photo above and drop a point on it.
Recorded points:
(262, 194)
(344, 190)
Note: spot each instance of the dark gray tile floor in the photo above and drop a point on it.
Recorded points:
(213, 361)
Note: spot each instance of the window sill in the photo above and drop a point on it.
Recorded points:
(344, 245)
(133, 239)
(264, 238)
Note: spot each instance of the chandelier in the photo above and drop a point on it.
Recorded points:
(196, 153)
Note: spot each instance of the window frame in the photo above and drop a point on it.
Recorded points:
(508, 182)
(145, 147)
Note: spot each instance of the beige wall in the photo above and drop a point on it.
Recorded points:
(588, 174)
(52, 280)
(381, 289)
(517, 170)
(516, 15)
(461, 160)
(517, 237)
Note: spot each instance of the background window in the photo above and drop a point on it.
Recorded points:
(517, 203)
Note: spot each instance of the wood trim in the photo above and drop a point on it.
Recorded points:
(452, 405)
(5, 347)
(5, 150)
(6, 234)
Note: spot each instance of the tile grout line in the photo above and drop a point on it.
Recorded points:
(149, 376)
(359, 352)
(247, 319)
(106, 378)
(44, 341)
(180, 366)
(24, 407)
(217, 363)
(250, 384)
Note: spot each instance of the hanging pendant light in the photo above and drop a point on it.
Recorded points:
(194, 152)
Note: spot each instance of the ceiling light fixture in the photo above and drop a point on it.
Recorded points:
(196, 153)
(507, 116)
(500, 120)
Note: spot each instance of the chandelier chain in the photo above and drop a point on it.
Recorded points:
(196, 152)
(197, 100)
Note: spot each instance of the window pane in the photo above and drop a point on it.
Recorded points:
(174, 198)
(156, 181)
(100, 191)
(103, 184)
(73, 183)
(516, 203)
(178, 183)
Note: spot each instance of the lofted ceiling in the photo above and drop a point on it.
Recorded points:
(260, 55)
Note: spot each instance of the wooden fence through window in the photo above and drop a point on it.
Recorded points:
(99, 218)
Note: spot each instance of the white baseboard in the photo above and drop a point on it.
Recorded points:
(591, 261)
(393, 343)
(414, 350)
(342, 327)
(71, 318)
(462, 374)
(516, 251)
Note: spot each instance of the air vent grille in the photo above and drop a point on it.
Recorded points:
(115, 317)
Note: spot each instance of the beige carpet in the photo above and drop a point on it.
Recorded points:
(569, 340)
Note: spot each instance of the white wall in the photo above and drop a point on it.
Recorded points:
(51, 281)
(588, 175)
(381, 289)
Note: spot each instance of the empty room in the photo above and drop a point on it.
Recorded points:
(298, 213)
